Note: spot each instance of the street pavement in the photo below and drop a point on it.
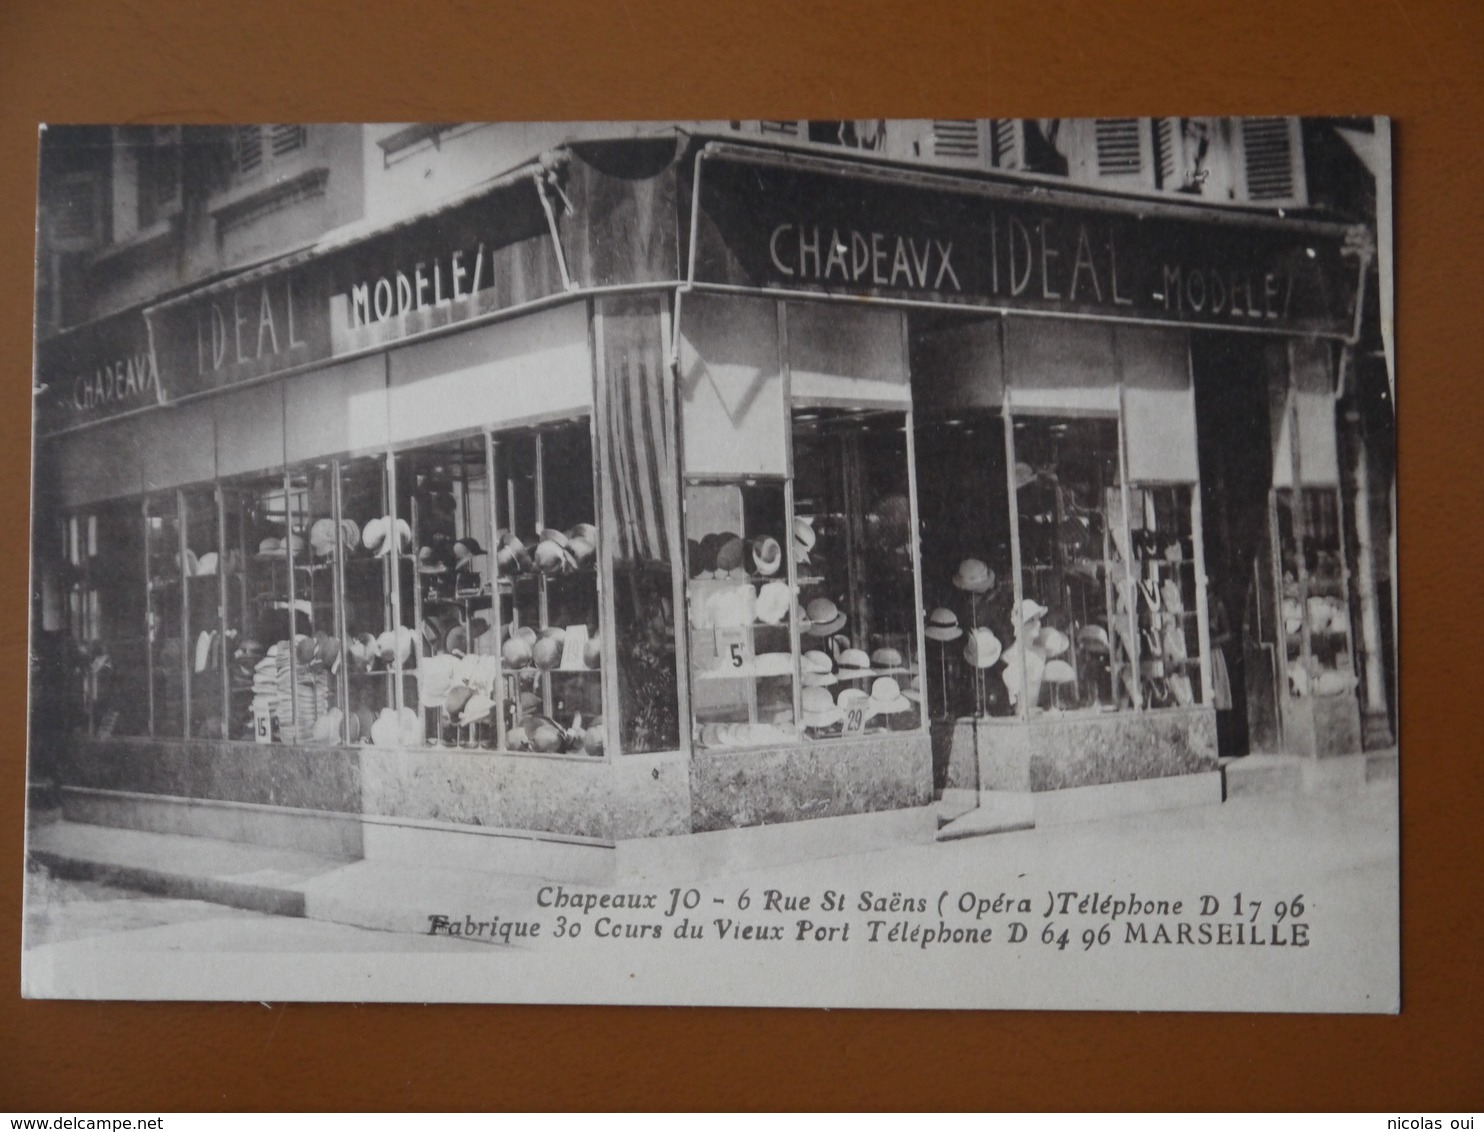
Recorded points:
(1345, 839)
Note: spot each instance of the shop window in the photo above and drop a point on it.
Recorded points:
(166, 644)
(1315, 609)
(1168, 601)
(106, 620)
(1070, 647)
(267, 567)
(741, 606)
(852, 544)
(203, 613)
(371, 645)
(968, 576)
(640, 523)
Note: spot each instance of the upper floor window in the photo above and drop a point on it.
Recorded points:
(255, 148)
(157, 162)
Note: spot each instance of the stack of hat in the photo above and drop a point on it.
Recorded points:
(553, 554)
(302, 693)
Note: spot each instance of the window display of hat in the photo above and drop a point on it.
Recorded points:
(942, 625)
(973, 576)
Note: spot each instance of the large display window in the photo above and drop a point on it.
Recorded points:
(164, 556)
(803, 592)
(1314, 606)
(107, 588)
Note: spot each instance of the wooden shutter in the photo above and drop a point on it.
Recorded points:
(958, 139)
(1169, 153)
(1007, 143)
(1120, 148)
(284, 140)
(1271, 165)
(247, 150)
(786, 129)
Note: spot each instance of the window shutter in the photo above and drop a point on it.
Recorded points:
(283, 140)
(164, 187)
(1169, 153)
(247, 150)
(1120, 151)
(958, 139)
(75, 212)
(1007, 143)
(785, 129)
(1269, 159)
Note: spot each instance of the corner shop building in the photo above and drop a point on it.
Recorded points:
(676, 486)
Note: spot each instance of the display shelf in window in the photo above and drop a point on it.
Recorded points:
(1161, 532)
(1314, 586)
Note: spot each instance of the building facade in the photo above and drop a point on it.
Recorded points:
(603, 483)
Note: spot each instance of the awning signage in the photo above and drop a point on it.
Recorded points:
(95, 372)
(766, 222)
(492, 252)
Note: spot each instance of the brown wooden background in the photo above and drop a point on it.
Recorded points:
(383, 60)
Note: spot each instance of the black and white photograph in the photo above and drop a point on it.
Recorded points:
(858, 563)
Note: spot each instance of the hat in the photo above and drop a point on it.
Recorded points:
(1053, 642)
(431, 561)
(435, 677)
(1094, 638)
(517, 653)
(583, 550)
(817, 661)
(1059, 672)
(1030, 610)
(731, 607)
(552, 557)
(455, 699)
(207, 564)
(773, 664)
(767, 555)
(774, 601)
(730, 552)
(824, 618)
(543, 734)
(819, 708)
(373, 534)
(887, 698)
(853, 698)
(1024, 475)
(350, 534)
(804, 538)
(973, 576)
(551, 534)
(886, 658)
(476, 709)
(322, 536)
(272, 547)
(818, 679)
(856, 659)
(592, 652)
(471, 548)
(982, 648)
(547, 653)
(942, 625)
(584, 531)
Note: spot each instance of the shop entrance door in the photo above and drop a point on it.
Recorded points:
(1234, 439)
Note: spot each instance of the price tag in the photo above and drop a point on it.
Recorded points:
(731, 649)
(262, 724)
(855, 719)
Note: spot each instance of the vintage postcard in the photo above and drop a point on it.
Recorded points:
(869, 563)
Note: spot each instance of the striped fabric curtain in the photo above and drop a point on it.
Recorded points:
(640, 448)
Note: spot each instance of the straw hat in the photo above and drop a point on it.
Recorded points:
(818, 680)
(583, 550)
(1093, 638)
(322, 536)
(732, 607)
(207, 564)
(774, 601)
(973, 576)
(271, 547)
(552, 557)
(1053, 642)
(465, 549)
(730, 553)
(1030, 610)
(373, 534)
(517, 653)
(385, 731)
(804, 538)
(476, 710)
(551, 534)
(853, 698)
(767, 555)
(855, 659)
(887, 698)
(548, 652)
(350, 534)
(435, 679)
(982, 649)
(886, 658)
(819, 709)
(824, 618)
(1059, 672)
(585, 531)
(818, 662)
(773, 664)
(455, 699)
(942, 625)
